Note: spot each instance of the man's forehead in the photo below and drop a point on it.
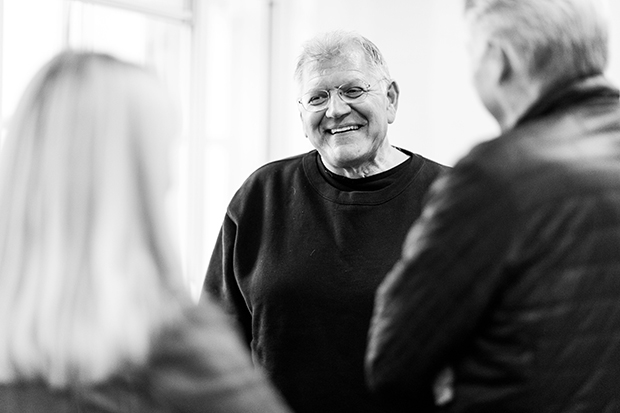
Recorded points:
(334, 70)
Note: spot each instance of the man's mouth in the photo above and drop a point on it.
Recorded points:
(343, 129)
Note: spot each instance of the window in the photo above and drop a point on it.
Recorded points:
(158, 34)
(158, 38)
(212, 55)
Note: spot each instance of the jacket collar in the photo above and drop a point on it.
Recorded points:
(569, 94)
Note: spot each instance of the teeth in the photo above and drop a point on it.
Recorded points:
(345, 129)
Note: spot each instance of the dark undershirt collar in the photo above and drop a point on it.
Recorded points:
(370, 183)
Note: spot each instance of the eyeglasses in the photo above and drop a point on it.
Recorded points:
(318, 100)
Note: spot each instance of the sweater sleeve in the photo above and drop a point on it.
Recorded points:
(221, 285)
(430, 303)
(199, 365)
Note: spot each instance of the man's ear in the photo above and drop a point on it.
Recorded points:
(303, 126)
(393, 92)
(503, 62)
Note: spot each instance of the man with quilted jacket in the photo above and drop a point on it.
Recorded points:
(509, 283)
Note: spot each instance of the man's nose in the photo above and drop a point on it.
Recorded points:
(336, 107)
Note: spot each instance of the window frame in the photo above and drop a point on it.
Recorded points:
(195, 239)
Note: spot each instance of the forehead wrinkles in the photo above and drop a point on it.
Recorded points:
(334, 79)
(355, 66)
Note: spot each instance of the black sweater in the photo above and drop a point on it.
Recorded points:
(297, 262)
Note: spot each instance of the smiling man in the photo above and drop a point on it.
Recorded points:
(346, 108)
(306, 240)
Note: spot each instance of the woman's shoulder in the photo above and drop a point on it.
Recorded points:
(201, 326)
(200, 363)
(115, 395)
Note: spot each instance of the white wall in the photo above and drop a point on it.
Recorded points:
(439, 115)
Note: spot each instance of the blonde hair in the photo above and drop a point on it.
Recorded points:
(87, 275)
(558, 40)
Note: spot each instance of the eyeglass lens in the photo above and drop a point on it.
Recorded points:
(318, 99)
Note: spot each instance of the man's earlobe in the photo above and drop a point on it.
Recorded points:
(393, 92)
(392, 104)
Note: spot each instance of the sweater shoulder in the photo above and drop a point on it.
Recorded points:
(430, 166)
(268, 180)
(276, 168)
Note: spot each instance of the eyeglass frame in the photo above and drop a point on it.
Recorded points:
(360, 98)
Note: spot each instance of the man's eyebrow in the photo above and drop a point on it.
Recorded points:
(346, 83)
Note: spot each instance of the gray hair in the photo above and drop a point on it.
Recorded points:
(335, 44)
(558, 40)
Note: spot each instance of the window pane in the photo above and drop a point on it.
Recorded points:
(178, 5)
(28, 41)
(131, 36)
(174, 10)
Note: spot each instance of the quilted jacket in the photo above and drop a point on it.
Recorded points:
(511, 277)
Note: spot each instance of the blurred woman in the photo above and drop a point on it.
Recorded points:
(93, 316)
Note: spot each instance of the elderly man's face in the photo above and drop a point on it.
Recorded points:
(348, 135)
